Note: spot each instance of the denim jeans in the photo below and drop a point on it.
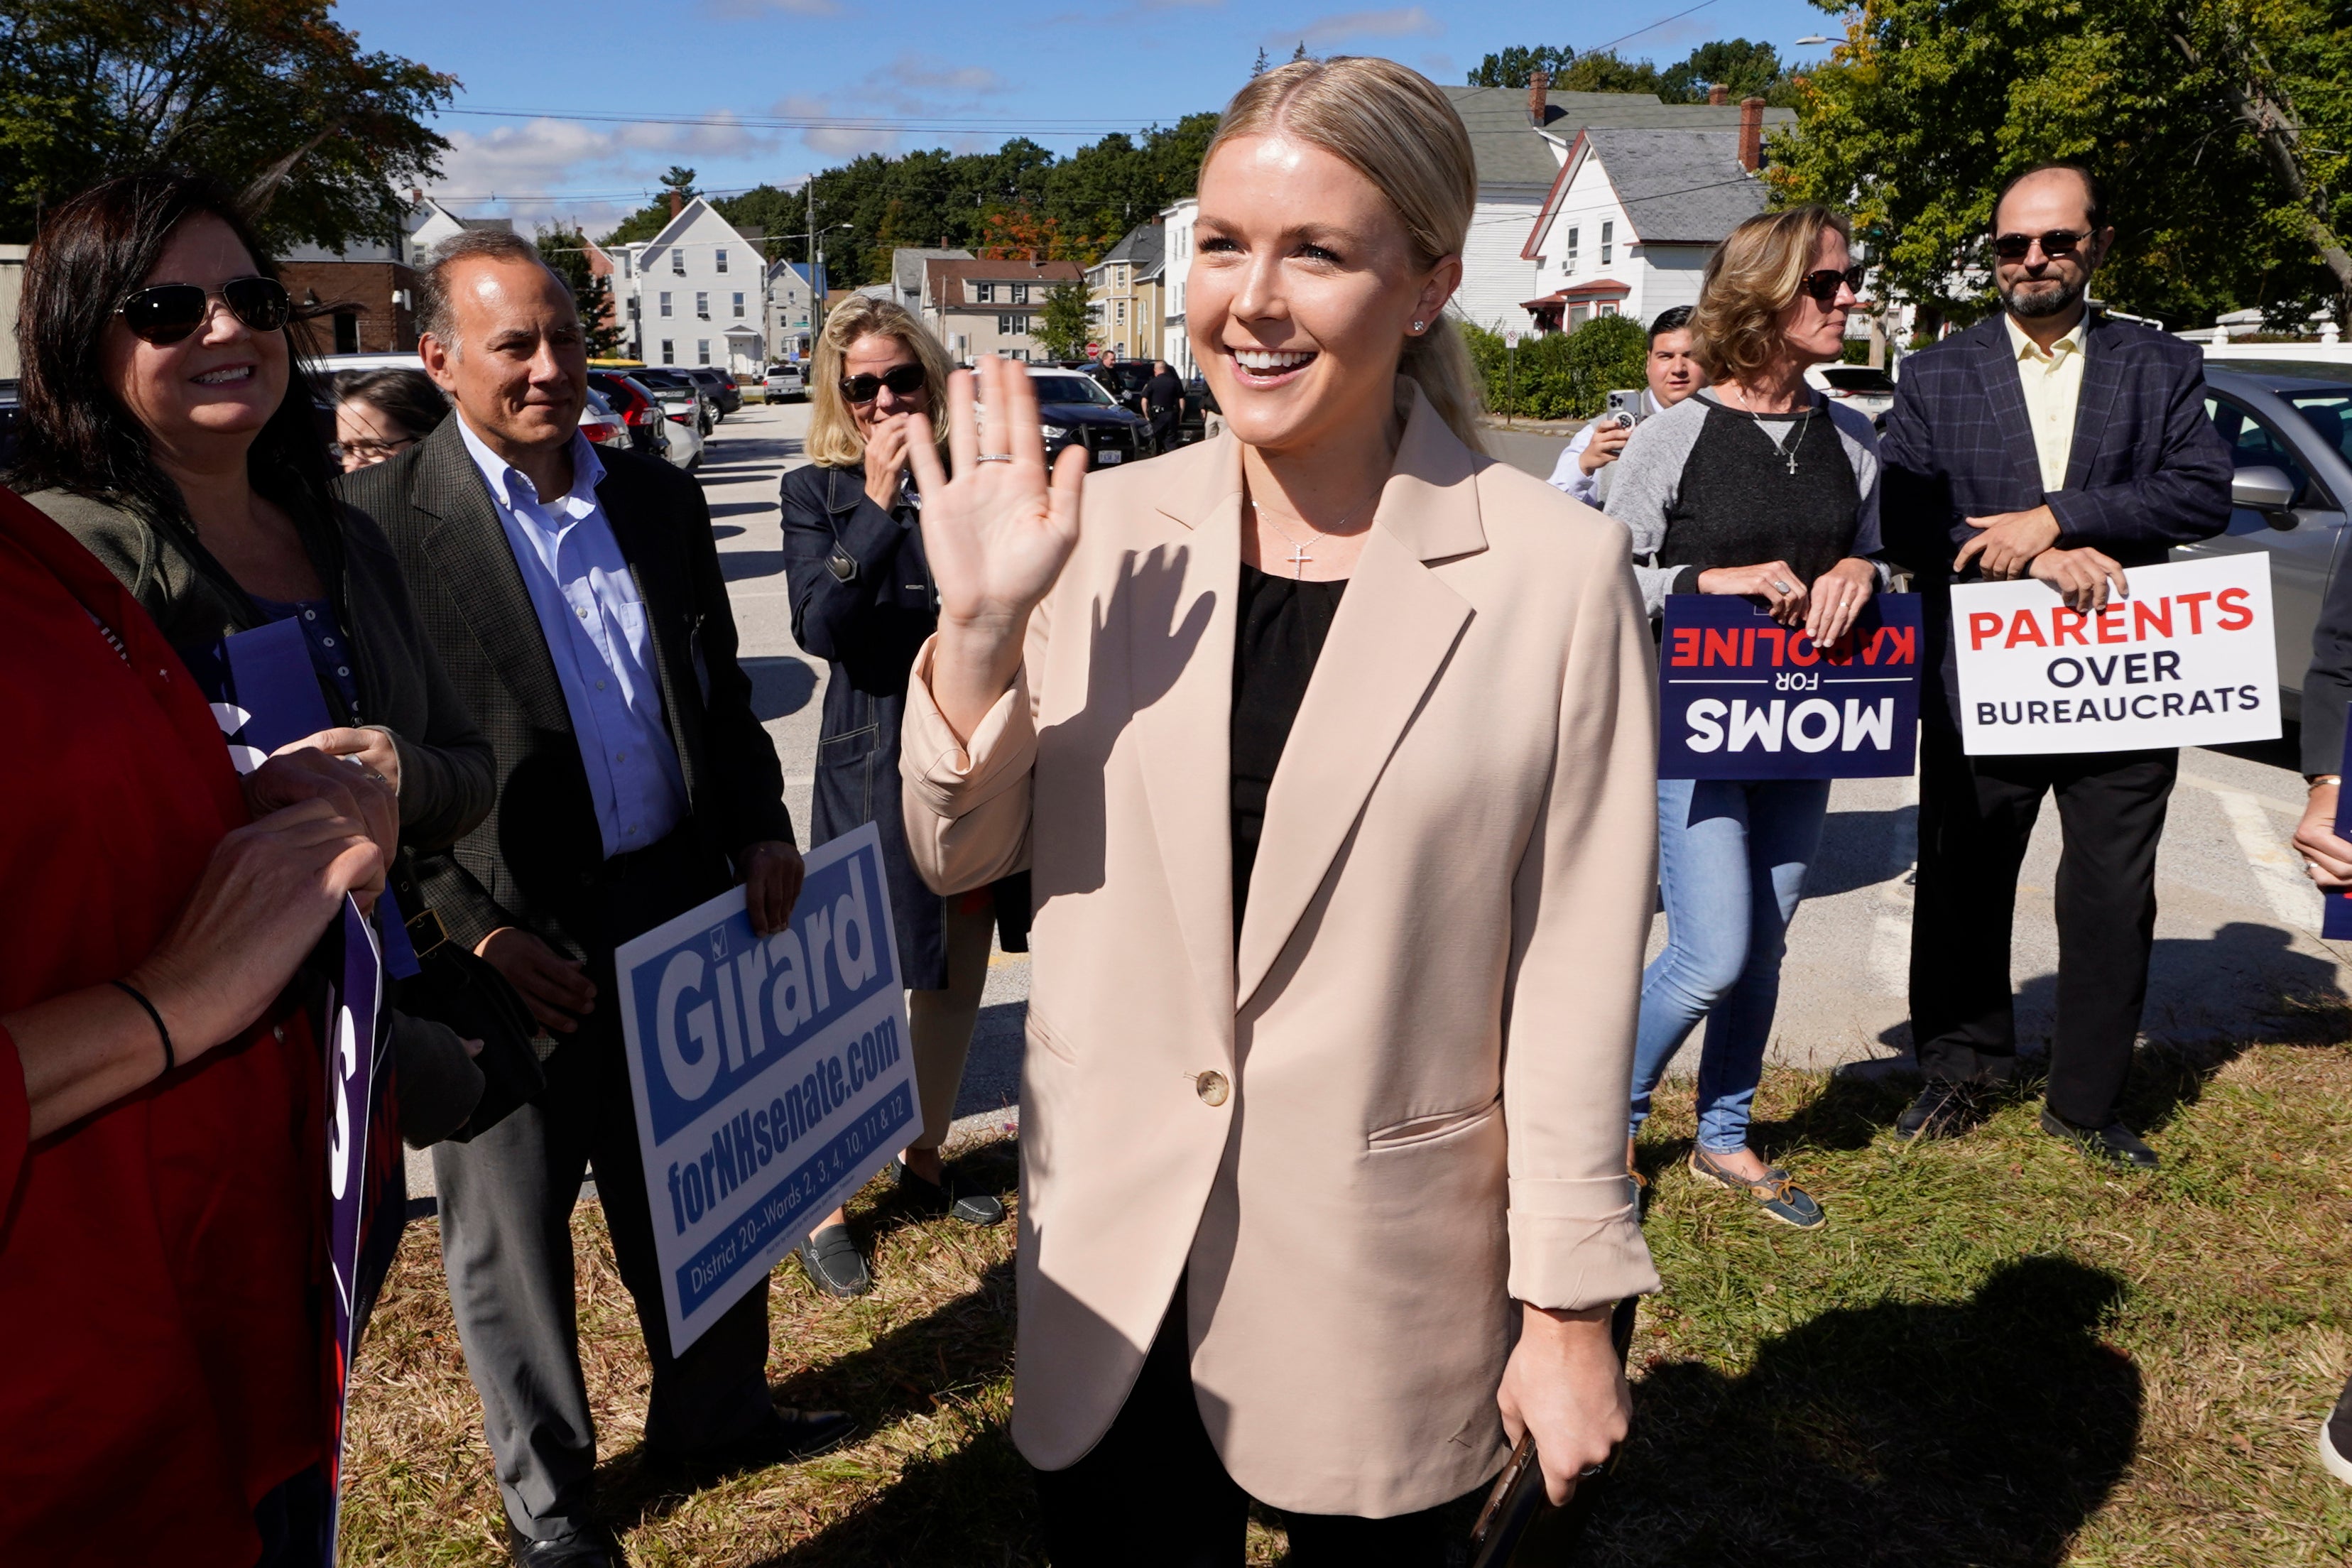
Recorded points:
(1731, 865)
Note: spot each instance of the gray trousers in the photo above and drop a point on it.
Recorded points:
(506, 1202)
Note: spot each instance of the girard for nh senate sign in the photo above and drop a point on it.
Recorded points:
(770, 1074)
(2187, 659)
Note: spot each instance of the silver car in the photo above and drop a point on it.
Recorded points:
(2288, 426)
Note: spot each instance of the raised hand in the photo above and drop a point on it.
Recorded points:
(997, 534)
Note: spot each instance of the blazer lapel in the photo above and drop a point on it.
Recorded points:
(1396, 627)
(2101, 377)
(1997, 368)
(477, 568)
(1181, 660)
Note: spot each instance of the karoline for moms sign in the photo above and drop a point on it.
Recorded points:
(771, 1073)
(2187, 661)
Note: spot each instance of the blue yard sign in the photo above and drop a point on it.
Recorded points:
(1740, 696)
(771, 1076)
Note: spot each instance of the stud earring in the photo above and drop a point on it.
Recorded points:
(1416, 326)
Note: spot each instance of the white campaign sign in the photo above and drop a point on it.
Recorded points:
(770, 1074)
(2187, 661)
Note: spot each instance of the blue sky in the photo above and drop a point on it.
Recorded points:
(692, 81)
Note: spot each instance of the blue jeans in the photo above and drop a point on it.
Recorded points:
(1731, 865)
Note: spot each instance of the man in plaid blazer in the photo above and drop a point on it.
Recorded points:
(576, 599)
(2051, 443)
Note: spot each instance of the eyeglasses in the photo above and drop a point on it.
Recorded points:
(1823, 285)
(170, 312)
(902, 379)
(371, 451)
(2056, 243)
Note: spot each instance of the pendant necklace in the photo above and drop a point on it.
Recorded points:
(1299, 557)
(1783, 447)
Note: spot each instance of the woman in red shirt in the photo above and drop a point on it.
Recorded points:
(160, 1106)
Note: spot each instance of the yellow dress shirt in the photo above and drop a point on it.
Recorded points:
(2053, 380)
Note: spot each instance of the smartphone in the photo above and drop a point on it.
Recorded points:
(1518, 1507)
(1625, 407)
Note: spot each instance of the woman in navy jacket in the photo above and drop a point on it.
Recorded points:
(862, 600)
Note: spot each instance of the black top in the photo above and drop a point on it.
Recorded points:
(1278, 637)
(1739, 500)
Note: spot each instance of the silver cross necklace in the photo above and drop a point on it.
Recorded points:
(1300, 557)
(1783, 447)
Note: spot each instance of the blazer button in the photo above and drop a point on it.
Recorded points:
(1213, 1086)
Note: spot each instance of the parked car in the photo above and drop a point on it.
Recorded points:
(2289, 430)
(1074, 410)
(638, 409)
(676, 390)
(1858, 386)
(602, 423)
(784, 382)
(1192, 422)
(719, 385)
(1124, 380)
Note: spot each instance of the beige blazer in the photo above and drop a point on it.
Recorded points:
(1403, 1103)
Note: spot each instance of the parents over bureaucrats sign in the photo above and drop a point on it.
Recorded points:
(2187, 661)
(1743, 697)
(770, 1074)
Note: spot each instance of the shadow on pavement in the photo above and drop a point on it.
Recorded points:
(1984, 1431)
(742, 565)
(1862, 849)
(781, 684)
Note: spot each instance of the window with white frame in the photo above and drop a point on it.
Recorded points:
(1120, 312)
(678, 261)
(1004, 325)
(984, 293)
(1608, 235)
(702, 350)
(701, 303)
(1021, 293)
(1606, 307)
(721, 254)
(669, 352)
(665, 302)
(739, 306)
(1567, 251)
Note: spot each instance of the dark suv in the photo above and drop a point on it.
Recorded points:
(719, 385)
(1077, 412)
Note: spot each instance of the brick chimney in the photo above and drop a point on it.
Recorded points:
(1718, 95)
(1538, 87)
(1751, 133)
(673, 203)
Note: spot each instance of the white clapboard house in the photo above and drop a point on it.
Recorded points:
(696, 293)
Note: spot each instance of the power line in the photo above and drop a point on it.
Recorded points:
(1603, 48)
(1026, 126)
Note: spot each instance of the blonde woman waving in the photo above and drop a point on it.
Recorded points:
(1328, 745)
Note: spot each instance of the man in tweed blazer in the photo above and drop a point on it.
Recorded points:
(2051, 443)
(576, 599)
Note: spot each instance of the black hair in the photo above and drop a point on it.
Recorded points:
(2094, 203)
(1676, 320)
(407, 397)
(92, 252)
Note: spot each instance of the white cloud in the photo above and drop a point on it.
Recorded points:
(1398, 22)
(522, 170)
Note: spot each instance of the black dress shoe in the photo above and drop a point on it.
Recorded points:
(586, 1550)
(1945, 1108)
(788, 1437)
(2114, 1145)
(952, 1197)
(833, 1263)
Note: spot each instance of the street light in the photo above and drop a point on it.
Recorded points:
(1811, 41)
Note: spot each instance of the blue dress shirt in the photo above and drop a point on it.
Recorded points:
(598, 636)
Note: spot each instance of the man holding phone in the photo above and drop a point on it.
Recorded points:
(1673, 374)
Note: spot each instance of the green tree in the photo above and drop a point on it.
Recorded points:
(2217, 128)
(1062, 329)
(565, 250)
(653, 217)
(1745, 69)
(1562, 375)
(1606, 73)
(272, 96)
(1514, 65)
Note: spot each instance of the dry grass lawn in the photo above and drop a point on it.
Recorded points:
(1992, 1355)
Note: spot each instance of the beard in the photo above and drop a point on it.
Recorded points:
(2043, 297)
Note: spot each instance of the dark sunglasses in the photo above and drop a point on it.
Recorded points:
(903, 380)
(1823, 285)
(170, 311)
(2057, 242)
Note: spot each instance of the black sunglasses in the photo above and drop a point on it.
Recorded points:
(1823, 285)
(902, 380)
(170, 312)
(2057, 242)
